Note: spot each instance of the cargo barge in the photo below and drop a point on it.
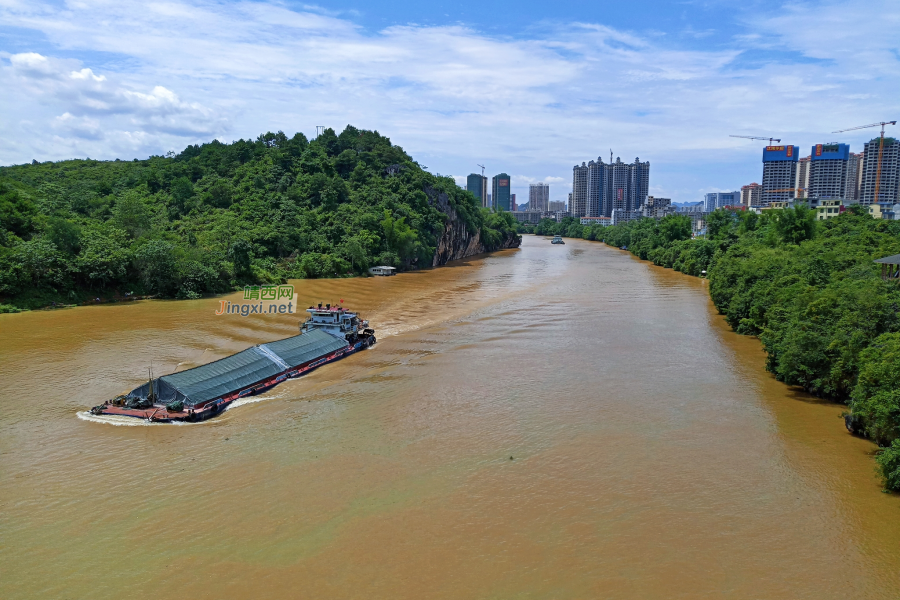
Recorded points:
(330, 333)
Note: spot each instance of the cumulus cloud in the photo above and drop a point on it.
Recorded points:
(157, 76)
(82, 127)
(97, 108)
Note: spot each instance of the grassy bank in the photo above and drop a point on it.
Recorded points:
(807, 289)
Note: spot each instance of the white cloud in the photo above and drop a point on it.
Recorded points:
(86, 74)
(88, 99)
(157, 76)
(81, 127)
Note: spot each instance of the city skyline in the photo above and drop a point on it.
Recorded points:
(668, 84)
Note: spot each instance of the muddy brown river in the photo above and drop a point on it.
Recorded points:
(546, 422)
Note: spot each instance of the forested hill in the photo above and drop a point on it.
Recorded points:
(220, 215)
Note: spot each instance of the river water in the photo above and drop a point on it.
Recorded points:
(545, 422)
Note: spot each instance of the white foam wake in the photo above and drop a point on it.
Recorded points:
(123, 421)
(253, 399)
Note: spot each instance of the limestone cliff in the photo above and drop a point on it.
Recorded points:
(457, 241)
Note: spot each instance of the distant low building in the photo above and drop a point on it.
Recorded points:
(714, 200)
(605, 221)
(751, 195)
(657, 208)
(557, 206)
(621, 216)
(828, 209)
(888, 211)
(527, 216)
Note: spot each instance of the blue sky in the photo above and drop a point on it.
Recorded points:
(526, 88)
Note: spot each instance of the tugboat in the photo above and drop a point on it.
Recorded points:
(557, 239)
(329, 334)
(338, 322)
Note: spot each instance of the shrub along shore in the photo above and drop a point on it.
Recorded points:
(808, 289)
(219, 216)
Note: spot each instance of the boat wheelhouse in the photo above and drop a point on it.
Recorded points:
(337, 321)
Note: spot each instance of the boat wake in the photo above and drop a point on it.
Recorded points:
(121, 421)
(252, 400)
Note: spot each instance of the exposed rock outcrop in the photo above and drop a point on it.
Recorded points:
(457, 241)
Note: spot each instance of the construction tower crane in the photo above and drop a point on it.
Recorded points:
(752, 137)
(880, 149)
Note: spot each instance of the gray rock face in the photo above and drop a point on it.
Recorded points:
(457, 241)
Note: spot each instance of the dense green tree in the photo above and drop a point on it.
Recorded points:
(674, 228)
(876, 397)
(220, 215)
(157, 264)
(889, 462)
(104, 255)
(131, 214)
(65, 235)
(795, 225)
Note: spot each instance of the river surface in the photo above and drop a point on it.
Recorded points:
(545, 422)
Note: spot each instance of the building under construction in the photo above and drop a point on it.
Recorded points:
(779, 173)
(890, 172)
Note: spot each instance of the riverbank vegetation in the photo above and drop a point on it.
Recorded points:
(808, 289)
(217, 216)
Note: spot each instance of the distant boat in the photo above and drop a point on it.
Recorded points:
(383, 271)
(557, 240)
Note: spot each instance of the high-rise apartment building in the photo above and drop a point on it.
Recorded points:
(714, 200)
(890, 172)
(751, 195)
(597, 173)
(779, 173)
(512, 202)
(539, 197)
(802, 180)
(578, 201)
(501, 193)
(599, 188)
(477, 184)
(558, 205)
(828, 171)
(854, 176)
